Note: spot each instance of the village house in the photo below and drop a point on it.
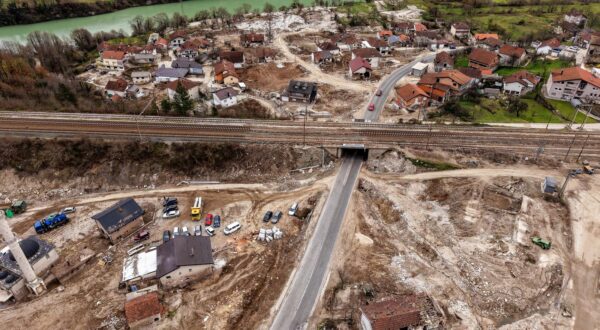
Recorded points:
(472, 73)
(379, 44)
(572, 83)
(252, 39)
(144, 58)
(484, 60)
(401, 40)
(106, 46)
(321, 57)
(141, 77)
(442, 85)
(143, 311)
(460, 30)
(225, 73)
(419, 69)
(483, 36)
(410, 312)
(547, 46)
(162, 43)
(134, 91)
(188, 50)
(511, 56)
(491, 44)
(410, 97)
(260, 55)
(443, 61)
(113, 60)
(404, 28)
(225, 97)
(177, 39)
(593, 52)
(164, 74)
(120, 220)
(193, 67)
(384, 34)
(520, 83)
(329, 46)
(360, 66)
(183, 259)
(235, 57)
(191, 87)
(419, 27)
(426, 38)
(575, 17)
(115, 87)
(346, 41)
(370, 54)
(300, 91)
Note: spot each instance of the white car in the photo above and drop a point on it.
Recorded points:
(232, 228)
(210, 231)
(184, 231)
(67, 210)
(293, 209)
(171, 214)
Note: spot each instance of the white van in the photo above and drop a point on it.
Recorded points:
(176, 232)
(232, 228)
(293, 209)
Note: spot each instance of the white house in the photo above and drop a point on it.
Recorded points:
(141, 77)
(225, 97)
(460, 30)
(371, 55)
(572, 83)
(575, 18)
(191, 87)
(520, 83)
(547, 46)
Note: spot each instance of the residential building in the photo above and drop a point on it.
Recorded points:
(575, 17)
(252, 39)
(359, 66)
(483, 60)
(572, 83)
(442, 85)
(115, 87)
(520, 83)
(235, 57)
(300, 91)
(134, 91)
(426, 38)
(113, 60)
(443, 61)
(381, 45)
(404, 28)
(411, 311)
(384, 34)
(191, 87)
(370, 54)
(401, 40)
(193, 67)
(346, 41)
(410, 97)
(547, 46)
(184, 259)
(472, 73)
(143, 311)
(419, 69)
(483, 36)
(321, 57)
(419, 27)
(225, 73)
(144, 58)
(120, 220)
(460, 30)
(225, 97)
(511, 56)
(162, 43)
(491, 44)
(593, 52)
(177, 39)
(189, 50)
(260, 55)
(141, 77)
(329, 46)
(164, 74)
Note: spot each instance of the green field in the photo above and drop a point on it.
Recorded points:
(567, 110)
(535, 112)
(539, 67)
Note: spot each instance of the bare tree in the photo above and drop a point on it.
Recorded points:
(83, 39)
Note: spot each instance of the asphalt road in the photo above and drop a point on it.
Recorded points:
(310, 276)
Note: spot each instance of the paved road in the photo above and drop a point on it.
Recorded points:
(309, 279)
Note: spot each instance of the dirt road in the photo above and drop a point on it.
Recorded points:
(315, 71)
(479, 172)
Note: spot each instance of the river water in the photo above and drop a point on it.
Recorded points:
(120, 19)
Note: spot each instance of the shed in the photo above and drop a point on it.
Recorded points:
(419, 69)
(549, 185)
(143, 311)
(120, 220)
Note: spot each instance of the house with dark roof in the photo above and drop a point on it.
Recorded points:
(483, 60)
(192, 66)
(321, 57)
(381, 45)
(164, 74)
(460, 30)
(120, 220)
(235, 57)
(520, 83)
(225, 97)
(300, 91)
(413, 311)
(371, 55)
(442, 85)
(116, 87)
(329, 46)
(346, 41)
(183, 259)
(410, 97)
(252, 39)
(511, 55)
(443, 61)
(143, 311)
(359, 66)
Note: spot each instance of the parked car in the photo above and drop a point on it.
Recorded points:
(198, 230)
(176, 232)
(232, 228)
(267, 216)
(293, 209)
(67, 210)
(210, 231)
(208, 220)
(166, 236)
(170, 208)
(171, 214)
(141, 236)
(168, 201)
(216, 221)
(371, 107)
(379, 92)
(184, 231)
(276, 217)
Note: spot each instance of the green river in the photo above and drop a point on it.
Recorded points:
(120, 19)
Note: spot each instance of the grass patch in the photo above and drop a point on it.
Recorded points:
(432, 165)
(357, 7)
(492, 111)
(135, 40)
(567, 110)
(539, 67)
(462, 61)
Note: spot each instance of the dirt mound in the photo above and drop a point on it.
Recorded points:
(270, 78)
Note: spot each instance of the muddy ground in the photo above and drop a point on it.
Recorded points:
(269, 77)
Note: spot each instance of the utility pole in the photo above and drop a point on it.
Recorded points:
(590, 107)
(564, 186)
(304, 135)
(582, 147)
(571, 145)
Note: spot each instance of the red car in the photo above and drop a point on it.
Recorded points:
(379, 92)
(208, 220)
(371, 107)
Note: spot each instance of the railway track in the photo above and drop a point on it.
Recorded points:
(327, 134)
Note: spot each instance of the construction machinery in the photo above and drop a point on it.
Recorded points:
(51, 222)
(15, 207)
(544, 244)
(197, 209)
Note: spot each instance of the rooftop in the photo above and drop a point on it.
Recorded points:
(113, 55)
(183, 251)
(483, 56)
(119, 85)
(226, 93)
(395, 313)
(366, 52)
(512, 51)
(139, 265)
(359, 62)
(142, 307)
(171, 72)
(575, 73)
(118, 215)
(187, 84)
(409, 92)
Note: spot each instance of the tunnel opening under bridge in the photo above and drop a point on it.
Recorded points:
(352, 150)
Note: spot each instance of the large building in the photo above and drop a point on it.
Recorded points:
(572, 83)
(120, 220)
(183, 259)
(300, 91)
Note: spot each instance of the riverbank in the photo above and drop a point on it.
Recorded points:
(43, 12)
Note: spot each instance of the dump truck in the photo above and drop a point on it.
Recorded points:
(15, 207)
(52, 221)
(197, 209)
(544, 244)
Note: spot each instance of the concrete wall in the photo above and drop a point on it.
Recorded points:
(184, 274)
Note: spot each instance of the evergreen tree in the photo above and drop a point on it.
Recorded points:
(182, 103)
(165, 105)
